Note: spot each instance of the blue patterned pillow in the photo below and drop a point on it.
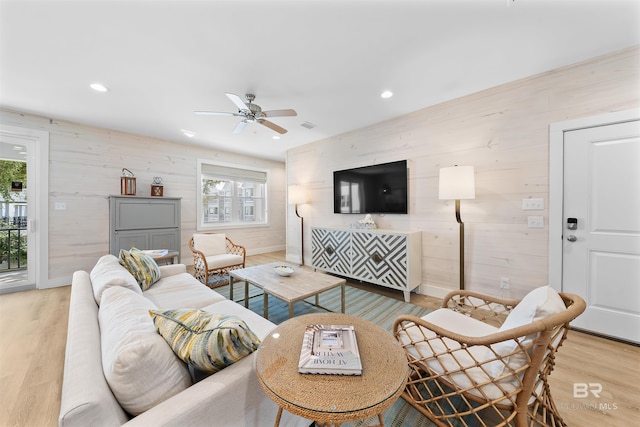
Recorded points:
(206, 341)
(141, 266)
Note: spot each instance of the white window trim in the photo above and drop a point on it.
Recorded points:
(200, 226)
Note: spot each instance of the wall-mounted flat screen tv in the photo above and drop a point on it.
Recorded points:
(377, 189)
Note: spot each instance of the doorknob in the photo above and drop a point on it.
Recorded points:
(571, 238)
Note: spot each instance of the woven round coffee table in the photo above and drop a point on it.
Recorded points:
(332, 398)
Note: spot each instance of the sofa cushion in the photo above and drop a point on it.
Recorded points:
(107, 273)
(210, 244)
(140, 368)
(181, 290)
(141, 266)
(209, 342)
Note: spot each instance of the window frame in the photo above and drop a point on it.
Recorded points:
(235, 195)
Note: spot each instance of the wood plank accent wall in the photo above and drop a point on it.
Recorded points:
(504, 133)
(85, 168)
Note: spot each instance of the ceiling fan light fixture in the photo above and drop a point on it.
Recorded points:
(252, 113)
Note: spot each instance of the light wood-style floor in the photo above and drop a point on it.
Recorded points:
(33, 328)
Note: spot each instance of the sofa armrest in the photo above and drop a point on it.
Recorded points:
(171, 270)
(86, 397)
(231, 397)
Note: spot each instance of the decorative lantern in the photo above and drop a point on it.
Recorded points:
(127, 183)
(156, 188)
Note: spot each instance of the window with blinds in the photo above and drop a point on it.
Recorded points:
(231, 196)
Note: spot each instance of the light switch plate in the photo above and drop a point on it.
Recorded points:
(535, 221)
(532, 204)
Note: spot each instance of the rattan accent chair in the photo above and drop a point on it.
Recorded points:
(214, 256)
(479, 361)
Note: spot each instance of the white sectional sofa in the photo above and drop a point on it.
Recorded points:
(109, 322)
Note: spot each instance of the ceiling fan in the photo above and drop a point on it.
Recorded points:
(251, 112)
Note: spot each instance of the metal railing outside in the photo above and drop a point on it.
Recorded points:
(13, 247)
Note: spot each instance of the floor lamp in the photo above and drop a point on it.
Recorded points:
(457, 183)
(298, 196)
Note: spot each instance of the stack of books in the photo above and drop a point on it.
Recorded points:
(330, 349)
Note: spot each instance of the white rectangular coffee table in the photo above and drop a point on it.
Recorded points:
(300, 285)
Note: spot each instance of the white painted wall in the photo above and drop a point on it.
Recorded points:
(504, 133)
(85, 164)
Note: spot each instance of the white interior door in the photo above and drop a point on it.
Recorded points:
(601, 255)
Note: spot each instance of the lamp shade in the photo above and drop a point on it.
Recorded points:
(298, 195)
(457, 183)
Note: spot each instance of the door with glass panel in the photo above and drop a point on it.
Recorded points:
(15, 249)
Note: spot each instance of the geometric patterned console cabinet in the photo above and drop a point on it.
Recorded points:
(384, 257)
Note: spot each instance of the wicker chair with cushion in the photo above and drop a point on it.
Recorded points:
(484, 361)
(214, 256)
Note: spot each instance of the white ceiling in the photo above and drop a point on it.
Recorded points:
(329, 60)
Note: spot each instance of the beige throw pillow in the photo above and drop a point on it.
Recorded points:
(536, 305)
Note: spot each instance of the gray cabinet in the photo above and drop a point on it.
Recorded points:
(144, 223)
(384, 257)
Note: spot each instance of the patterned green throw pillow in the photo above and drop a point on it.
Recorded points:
(209, 342)
(141, 266)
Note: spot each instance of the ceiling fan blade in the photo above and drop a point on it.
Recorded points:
(238, 101)
(272, 126)
(216, 113)
(240, 126)
(280, 113)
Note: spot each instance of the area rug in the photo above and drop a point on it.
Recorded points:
(376, 308)
(379, 309)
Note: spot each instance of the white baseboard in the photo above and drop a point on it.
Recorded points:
(293, 258)
(434, 291)
(55, 283)
(268, 249)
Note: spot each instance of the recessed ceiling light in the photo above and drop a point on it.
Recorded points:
(275, 137)
(188, 133)
(98, 87)
(386, 94)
